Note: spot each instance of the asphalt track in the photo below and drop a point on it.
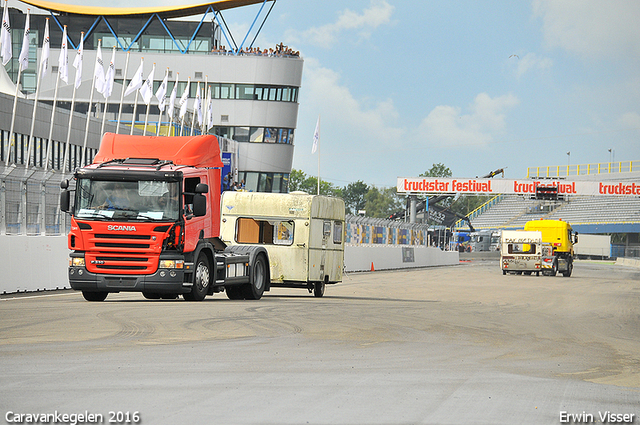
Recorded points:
(443, 345)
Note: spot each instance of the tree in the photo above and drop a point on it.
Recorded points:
(296, 179)
(437, 170)
(299, 181)
(381, 203)
(354, 196)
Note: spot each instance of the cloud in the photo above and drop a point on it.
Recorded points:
(630, 120)
(532, 62)
(378, 13)
(325, 92)
(486, 118)
(591, 28)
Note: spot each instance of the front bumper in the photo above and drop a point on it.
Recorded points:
(163, 281)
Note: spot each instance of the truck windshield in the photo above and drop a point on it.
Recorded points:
(131, 200)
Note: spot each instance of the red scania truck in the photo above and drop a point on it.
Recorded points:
(146, 218)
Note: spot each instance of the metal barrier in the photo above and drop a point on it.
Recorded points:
(584, 169)
(29, 201)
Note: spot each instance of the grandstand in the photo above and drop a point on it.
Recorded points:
(587, 214)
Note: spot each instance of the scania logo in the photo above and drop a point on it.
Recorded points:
(125, 228)
(97, 262)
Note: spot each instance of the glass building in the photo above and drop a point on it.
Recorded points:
(254, 89)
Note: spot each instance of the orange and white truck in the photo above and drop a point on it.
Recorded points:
(145, 217)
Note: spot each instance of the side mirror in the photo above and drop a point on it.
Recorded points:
(64, 184)
(202, 188)
(199, 203)
(65, 200)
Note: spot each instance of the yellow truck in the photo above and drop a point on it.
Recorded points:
(561, 237)
(303, 235)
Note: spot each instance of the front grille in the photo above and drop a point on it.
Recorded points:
(123, 252)
(119, 236)
(122, 245)
(118, 267)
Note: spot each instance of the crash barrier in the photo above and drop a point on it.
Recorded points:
(380, 231)
(373, 244)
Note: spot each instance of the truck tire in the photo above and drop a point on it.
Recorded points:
(234, 292)
(94, 296)
(151, 295)
(258, 281)
(318, 289)
(567, 272)
(201, 280)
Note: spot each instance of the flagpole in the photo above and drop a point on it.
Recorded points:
(108, 88)
(318, 167)
(124, 82)
(55, 96)
(45, 42)
(193, 117)
(73, 100)
(146, 115)
(203, 124)
(33, 118)
(86, 128)
(316, 147)
(53, 114)
(172, 104)
(133, 117)
(25, 43)
(11, 139)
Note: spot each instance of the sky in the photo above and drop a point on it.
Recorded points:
(401, 85)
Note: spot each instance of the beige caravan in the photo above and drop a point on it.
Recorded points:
(521, 252)
(303, 234)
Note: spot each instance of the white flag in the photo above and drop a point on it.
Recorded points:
(5, 36)
(198, 106)
(77, 62)
(183, 99)
(172, 98)
(24, 52)
(63, 59)
(110, 75)
(209, 110)
(161, 93)
(136, 81)
(316, 137)
(44, 60)
(146, 90)
(98, 71)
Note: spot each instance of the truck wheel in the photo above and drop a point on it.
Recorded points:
(567, 272)
(259, 275)
(318, 289)
(151, 295)
(200, 280)
(554, 268)
(94, 296)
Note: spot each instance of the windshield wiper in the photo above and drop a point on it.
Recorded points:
(95, 213)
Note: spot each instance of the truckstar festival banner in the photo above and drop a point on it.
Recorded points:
(419, 185)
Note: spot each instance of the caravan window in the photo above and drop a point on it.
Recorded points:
(266, 232)
(521, 248)
(337, 232)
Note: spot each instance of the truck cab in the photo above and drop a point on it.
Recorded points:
(561, 237)
(146, 218)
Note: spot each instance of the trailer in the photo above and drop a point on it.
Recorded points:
(303, 235)
(521, 252)
(593, 246)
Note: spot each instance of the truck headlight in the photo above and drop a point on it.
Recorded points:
(171, 264)
(76, 261)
